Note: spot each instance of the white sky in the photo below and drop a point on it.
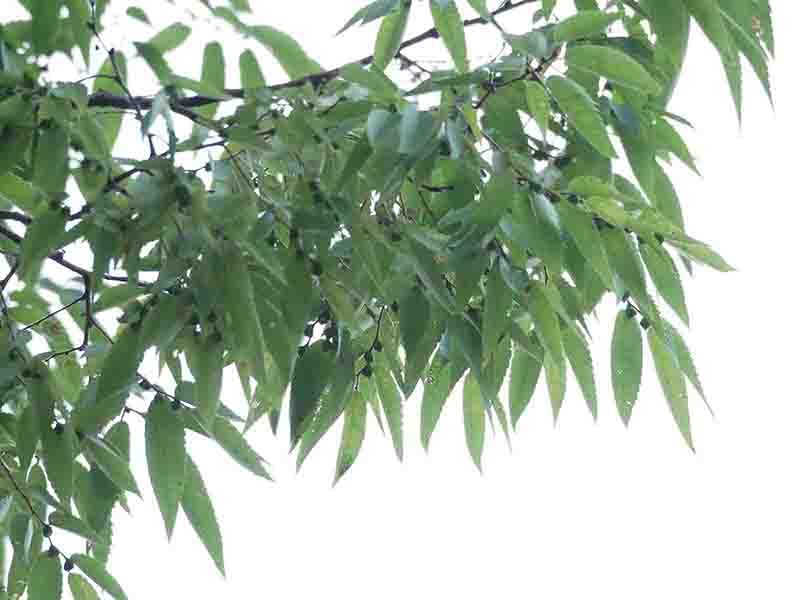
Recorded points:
(576, 511)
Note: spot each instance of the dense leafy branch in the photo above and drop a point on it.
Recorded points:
(344, 243)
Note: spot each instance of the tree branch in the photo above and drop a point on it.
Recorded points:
(105, 99)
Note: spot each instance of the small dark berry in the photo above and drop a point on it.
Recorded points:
(316, 268)
(301, 350)
(47, 531)
(68, 565)
(396, 237)
(175, 404)
(367, 371)
(300, 254)
(645, 323)
(52, 551)
(659, 238)
(626, 296)
(145, 385)
(368, 357)
(630, 312)
(26, 373)
(58, 429)
(309, 331)
(395, 306)
(216, 338)
(293, 234)
(80, 435)
(378, 347)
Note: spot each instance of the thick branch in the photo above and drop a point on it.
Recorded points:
(104, 99)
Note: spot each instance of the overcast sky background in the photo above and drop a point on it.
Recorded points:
(579, 510)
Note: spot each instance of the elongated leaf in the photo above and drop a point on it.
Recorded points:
(613, 65)
(95, 571)
(58, 449)
(392, 403)
(165, 447)
(701, 252)
(170, 37)
(525, 372)
(250, 71)
(114, 465)
(199, 511)
(286, 51)
(666, 278)
(585, 24)
(474, 418)
(626, 363)
(546, 322)
(81, 589)
(581, 111)
(556, 377)
(538, 103)
(448, 23)
(311, 375)
(46, 578)
(390, 36)
(116, 377)
(207, 370)
(580, 359)
(355, 422)
(672, 382)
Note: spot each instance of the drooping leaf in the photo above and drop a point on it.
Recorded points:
(95, 571)
(46, 578)
(474, 418)
(199, 511)
(582, 113)
(626, 363)
(165, 447)
(448, 23)
(672, 382)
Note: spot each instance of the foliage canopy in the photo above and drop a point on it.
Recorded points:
(353, 238)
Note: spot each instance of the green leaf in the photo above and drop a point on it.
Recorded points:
(545, 321)
(441, 379)
(701, 252)
(474, 418)
(448, 23)
(286, 51)
(199, 512)
(392, 402)
(59, 453)
(51, 167)
(497, 303)
(334, 401)
(233, 442)
(250, 71)
(672, 382)
(669, 138)
(311, 375)
(137, 13)
(585, 24)
(626, 363)
(666, 278)
(170, 37)
(73, 525)
(556, 377)
(43, 236)
(525, 372)
(580, 359)
(111, 122)
(165, 448)
(355, 423)
(46, 578)
(207, 369)
(95, 571)
(685, 360)
(588, 240)
(538, 103)
(614, 65)
(81, 589)
(112, 464)
(415, 316)
(390, 36)
(155, 60)
(479, 6)
(45, 21)
(116, 377)
(581, 111)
